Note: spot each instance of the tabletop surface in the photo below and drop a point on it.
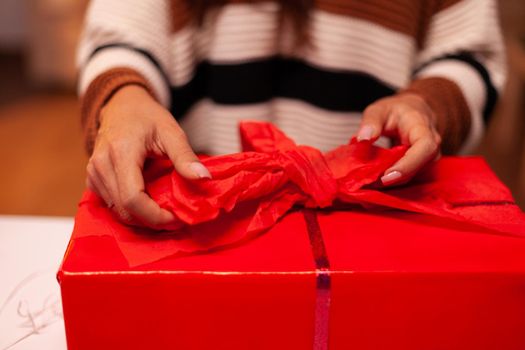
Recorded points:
(31, 249)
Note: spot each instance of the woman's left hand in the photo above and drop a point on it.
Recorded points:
(408, 118)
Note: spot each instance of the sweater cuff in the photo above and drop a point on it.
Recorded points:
(99, 91)
(453, 119)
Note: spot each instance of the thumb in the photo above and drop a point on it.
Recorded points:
(372, 123)
(176, 146)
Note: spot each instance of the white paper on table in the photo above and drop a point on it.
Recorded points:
(31, 249)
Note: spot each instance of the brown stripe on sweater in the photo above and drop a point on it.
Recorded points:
(410, 17)
(450, 107)
(444, 4)
(181, 15)
(398, 15)
(97, 95)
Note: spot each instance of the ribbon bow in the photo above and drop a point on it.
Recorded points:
(251, 190)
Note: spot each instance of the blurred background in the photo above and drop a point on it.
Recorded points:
(41, 153)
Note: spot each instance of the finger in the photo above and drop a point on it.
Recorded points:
(104, 177)
(95, 184)
(372, 124)
(131, 190)
(423, 149)
(147, 211)
(175, 144)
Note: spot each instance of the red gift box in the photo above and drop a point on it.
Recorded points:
(342, 277)
(398, 281)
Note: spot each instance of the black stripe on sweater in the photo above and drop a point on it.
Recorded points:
(260, 81)
(143, 52)
(490, 89)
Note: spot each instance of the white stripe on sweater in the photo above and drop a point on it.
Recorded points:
(144, 24)
(469, 25)
(140, 23)
(213, 128)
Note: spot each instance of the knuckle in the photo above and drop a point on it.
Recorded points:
(117, 149)
(171, 127)
(430, 146)
(185, 154)
(416, 115)
(96, 163)
(154, 220)
(373, 109)
(123, 214)
(90, 169)
(417, 131)
(370, 108)
(130, 201)
(173, 135)
(437, 138)
(179, 134)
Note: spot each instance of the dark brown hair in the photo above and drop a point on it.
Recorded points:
(295, 11)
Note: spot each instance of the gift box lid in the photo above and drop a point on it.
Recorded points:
(283, 249)
(356, 240)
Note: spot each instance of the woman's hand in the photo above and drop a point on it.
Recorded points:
(408, 118)
(133, 127)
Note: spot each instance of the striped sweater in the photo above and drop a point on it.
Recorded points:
(243, 63)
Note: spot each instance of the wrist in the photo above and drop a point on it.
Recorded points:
(452, 114)
(128, 94)
(126, 100)
(419, 102)
(102, 94)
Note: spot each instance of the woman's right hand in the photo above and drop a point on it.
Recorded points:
(133, 126)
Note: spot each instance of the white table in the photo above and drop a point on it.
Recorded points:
(31, 249)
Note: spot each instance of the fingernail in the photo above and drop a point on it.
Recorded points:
(200, 170)
(390, 177)
(365, 133)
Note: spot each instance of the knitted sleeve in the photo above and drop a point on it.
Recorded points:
(461, 69)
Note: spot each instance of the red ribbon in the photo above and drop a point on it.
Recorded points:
(251, 190)
(323, 281)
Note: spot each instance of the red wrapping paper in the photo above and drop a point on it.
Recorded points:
(252, 190)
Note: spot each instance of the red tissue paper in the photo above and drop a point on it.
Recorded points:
(433, 264)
